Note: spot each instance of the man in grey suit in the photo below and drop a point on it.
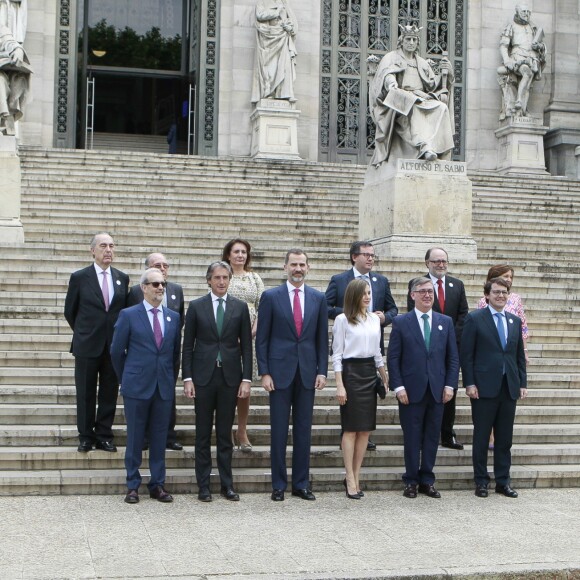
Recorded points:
(172, 299)
(493, 363)
(95, 296)
(216, 369)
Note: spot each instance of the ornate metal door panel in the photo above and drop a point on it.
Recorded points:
(353, 30)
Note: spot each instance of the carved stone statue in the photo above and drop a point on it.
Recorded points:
(410, 104)
(15, 67)
(274, 73)
(524, 55)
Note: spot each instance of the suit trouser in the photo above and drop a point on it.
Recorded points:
(171, 433)
(301, 401)
(497, 413)
(421, 424)
(89, 371)
(447, 432)
(219, 398)
(149, 416)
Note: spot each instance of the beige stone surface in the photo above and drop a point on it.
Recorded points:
(381, 536)
(11, 231)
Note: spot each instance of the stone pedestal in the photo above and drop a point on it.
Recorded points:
(11, 231)
(561, 146)
(521, 146)
(407, 207)
(275, 130)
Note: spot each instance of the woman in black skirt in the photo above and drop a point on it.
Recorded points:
(356, 357)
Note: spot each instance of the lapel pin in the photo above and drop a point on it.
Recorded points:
(118, 282)
(511, 320)
(173, 297)
(440, 327)
(450, 284)
(374, 279)
(168, 319)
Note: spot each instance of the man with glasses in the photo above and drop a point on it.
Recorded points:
(172, 299)
(450, 300)
(145, 353)
(94, 298)
(493, 363)
(423, 371)
(362, 258)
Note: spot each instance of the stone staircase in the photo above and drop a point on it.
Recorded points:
(188, 208)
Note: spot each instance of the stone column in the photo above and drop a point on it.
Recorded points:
(11, 231)
(562, 114)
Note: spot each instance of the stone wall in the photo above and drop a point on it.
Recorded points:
(237, 54)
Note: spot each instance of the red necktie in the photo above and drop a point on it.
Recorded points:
(441, 296)
(297, 311)
(105, 289)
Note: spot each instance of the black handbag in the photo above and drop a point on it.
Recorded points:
(380, 388)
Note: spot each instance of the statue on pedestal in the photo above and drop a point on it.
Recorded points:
(523, 53)
(411, 104)
(274, 72)
(15, 67)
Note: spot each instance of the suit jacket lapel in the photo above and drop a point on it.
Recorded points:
(309, 308)
(95, 284)
(148, 329)
(490, 322)
(511, 327)
(415, 329)
(284, 301)
(209, 315)
(230, 307)
(116, 284)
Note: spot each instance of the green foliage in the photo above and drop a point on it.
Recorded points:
(126, 48)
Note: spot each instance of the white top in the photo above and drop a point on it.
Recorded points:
(503, 318)
(150, 315)
(110, 284)
(360, 340)
(421, 321)
(436, 286)
(215, 300)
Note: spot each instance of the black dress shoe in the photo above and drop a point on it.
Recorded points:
(278, 495)
(371, 446)
(452, 444)
(132, 496)
(106, 446)
(85, 446)
(481, 491)
(304, 494)
(410, 490)
(204, 495)
(229, 494)
(429, 490)
(160, 494)
(506, 490)
(175, 446)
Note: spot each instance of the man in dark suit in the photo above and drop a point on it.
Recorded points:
(423, 371)
(292, 354)
(362, 258)
(494, 374)
(172, 299)
(450, 299)
(216, 369)
(95, 297)
(145, 353)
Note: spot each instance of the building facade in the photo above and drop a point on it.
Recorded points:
(121, 73)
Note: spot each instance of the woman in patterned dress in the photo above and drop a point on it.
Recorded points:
(245, 285)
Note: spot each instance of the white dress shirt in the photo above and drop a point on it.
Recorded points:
(291, 293)
(360, 340)
(159, 315)
(503, 318)
(419, 315)
(434, 280)
(215, 303)
(99, 272)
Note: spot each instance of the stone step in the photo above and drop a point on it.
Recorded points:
(67, 458)
(322, 434)
(247, 480)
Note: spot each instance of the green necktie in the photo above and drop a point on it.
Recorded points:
(219, 320)
(426, 330)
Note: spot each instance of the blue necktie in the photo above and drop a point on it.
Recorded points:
(500, 329)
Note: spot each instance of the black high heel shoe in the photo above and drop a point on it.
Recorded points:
(350, 495)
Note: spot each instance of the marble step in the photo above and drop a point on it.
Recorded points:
(322, 434)
(257, 480)
(67, 458)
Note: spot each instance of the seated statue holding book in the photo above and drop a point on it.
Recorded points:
(411, 104)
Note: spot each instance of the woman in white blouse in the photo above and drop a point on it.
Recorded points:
(356, 357)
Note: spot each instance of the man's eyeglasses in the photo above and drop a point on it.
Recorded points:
(425, 292)
(500, 292)
(156, 284)
(366, 255)
(439, 262)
